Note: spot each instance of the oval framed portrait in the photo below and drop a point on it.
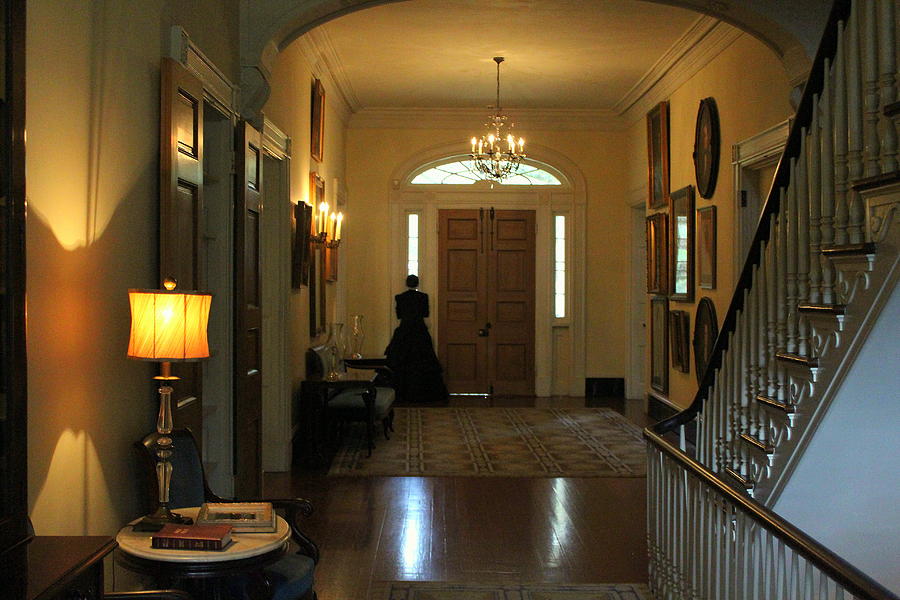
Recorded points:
(706, 148)
(706, 330)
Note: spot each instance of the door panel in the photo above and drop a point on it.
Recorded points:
(486, 311)
(181, 213)
(462, 308)
(248, 316)
(511, 301)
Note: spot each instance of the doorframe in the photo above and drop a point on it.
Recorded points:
(638, 361)
(570, 199)
(275, 263)
(752, 154)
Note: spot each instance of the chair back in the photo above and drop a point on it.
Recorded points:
(188, 484)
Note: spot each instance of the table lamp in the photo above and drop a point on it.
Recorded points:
(167, 326)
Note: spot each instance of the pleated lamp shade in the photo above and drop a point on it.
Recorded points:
(168, 326)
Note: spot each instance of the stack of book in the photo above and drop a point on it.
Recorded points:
(192, 537)
(244, 517)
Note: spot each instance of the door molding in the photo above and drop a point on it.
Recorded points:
(569, 199)
(275, 255)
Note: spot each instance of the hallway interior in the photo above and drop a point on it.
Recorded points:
(474, 529)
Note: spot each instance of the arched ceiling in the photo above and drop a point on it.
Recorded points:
(588, 53)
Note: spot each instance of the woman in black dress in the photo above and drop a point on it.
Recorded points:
(410, 355)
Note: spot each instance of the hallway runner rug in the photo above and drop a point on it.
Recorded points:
(408, 590)
(498, 442)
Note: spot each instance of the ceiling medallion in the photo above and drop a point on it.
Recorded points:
(497, 156)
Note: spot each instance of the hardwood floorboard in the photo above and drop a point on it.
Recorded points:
(474, 529)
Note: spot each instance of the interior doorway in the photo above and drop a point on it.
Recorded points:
(637, 380)
(486, 300)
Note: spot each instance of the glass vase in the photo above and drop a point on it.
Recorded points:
(357, 336)
(335, 347)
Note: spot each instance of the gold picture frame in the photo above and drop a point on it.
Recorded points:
(657, 254)
(681, 245)
(706, 247)
(658, 156)
(317, 121)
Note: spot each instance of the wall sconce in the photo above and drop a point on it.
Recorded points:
(327, 226)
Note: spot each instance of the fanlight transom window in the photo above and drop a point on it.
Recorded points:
(461, 171)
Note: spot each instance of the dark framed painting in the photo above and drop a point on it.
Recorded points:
(331, 263)
(680, 333)
(302, 225)
(706, 330)
(316, 192)
(317, 121)
(658, 155)
(706, 148)
(659, 344)
(706, 247)
(657, 254)
(681, 245)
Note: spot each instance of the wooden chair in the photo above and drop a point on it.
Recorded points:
(368, 402)
(291, 577)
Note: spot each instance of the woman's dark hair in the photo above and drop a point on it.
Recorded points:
(412, 281)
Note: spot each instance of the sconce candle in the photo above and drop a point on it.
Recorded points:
(337, 233)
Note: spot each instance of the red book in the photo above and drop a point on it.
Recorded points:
(192, 537)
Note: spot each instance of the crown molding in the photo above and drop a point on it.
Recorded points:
(319, 52)
(706, 39)
(526, 119)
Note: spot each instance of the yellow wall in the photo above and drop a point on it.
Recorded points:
(373, 155)
(289, 108)
(751, 92)
(92, 162)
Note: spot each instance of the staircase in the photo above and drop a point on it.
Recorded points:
(823, 263)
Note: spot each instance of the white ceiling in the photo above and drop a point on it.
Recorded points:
(437, 53)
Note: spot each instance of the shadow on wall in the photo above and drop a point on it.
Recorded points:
(86, 401)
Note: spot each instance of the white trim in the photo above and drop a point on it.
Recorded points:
(275, 256)
(570, 199)
(217, 88)
(636, 285)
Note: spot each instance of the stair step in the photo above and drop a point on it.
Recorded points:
(747, 484)
(796, 359)
(773, 403)
(822, 309)
(861, 249)
(758, 444)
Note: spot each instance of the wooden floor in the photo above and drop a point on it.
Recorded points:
(467, 529)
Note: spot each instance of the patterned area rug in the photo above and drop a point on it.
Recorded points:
(405, 590)
(499, 442)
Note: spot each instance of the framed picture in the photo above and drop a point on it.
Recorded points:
(706, 148)
(302, 224)
(658, 155)
(657, 254)
(317, 121)
(331, 264)
(706, 247)
(681, 245)
(659, 344)
(680, 332)
(706, 330)
(316, 190)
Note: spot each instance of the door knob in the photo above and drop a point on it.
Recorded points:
(486, 331)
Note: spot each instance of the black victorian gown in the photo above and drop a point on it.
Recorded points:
(410, 355)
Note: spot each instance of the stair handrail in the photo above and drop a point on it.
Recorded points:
(840, 11)
(841, 572)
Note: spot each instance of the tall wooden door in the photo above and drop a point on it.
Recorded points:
(181, 214)
(486, 291)
(247, 314)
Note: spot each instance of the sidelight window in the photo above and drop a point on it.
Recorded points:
(559, 266)
(412, 244)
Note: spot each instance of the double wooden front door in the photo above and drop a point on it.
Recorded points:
(486, 300)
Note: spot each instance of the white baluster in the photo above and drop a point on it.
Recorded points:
(792, 251)
(814, 174)
(802, 246)
(855, 131)
(781, 292)
(752, 312)
(771, 310)
(840, 138)
(827, 187)
(865, 23)
(887, 70)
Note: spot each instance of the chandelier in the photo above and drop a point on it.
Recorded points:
(496, 156)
